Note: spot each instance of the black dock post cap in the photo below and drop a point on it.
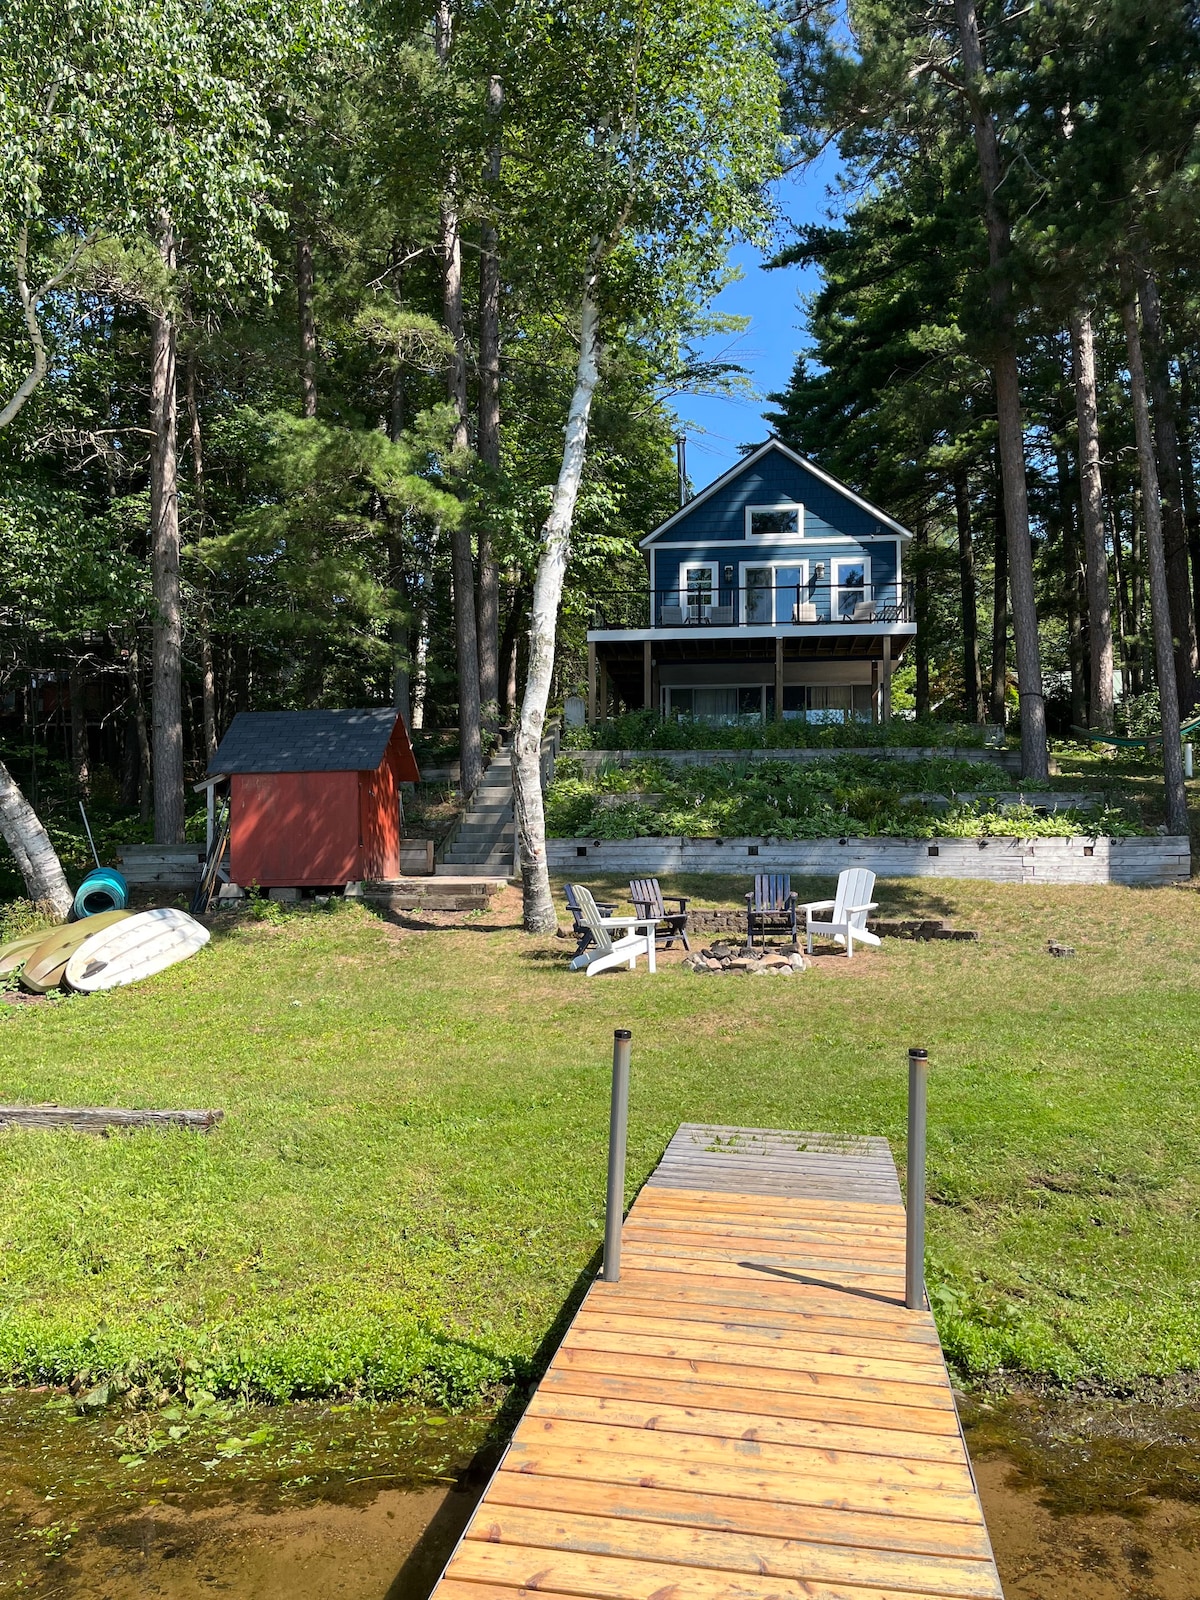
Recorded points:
(622, 1033)
(921, 1055)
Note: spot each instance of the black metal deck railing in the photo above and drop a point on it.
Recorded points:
(802, 605)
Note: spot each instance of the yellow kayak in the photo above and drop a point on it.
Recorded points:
(16, 950)
(46, 963)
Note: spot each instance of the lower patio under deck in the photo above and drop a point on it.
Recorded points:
(637, 671)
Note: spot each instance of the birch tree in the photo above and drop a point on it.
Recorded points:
(646, 137)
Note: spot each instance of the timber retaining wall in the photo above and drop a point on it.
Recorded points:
(1145, 860)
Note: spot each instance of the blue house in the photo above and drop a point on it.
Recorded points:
(777, 591)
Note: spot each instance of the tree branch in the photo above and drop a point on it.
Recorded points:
(30, 300)
(29, 304)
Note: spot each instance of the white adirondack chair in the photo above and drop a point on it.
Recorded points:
(607, 952)
(848, 919)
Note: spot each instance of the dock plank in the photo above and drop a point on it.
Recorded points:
(751, 1412)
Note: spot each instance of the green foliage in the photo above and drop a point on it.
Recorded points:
(646, 730)
(845, 795)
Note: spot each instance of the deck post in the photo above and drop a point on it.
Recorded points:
(778, 677)
(886, 676)
(647, 675)
(914, 1257)
(618, 1123)
(875, 710)
(591, 703)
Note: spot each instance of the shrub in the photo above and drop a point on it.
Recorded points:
(644, 730)
(846, 794)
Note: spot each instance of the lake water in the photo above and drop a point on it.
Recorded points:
(1086, 1499)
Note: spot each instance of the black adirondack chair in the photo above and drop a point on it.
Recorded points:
(581, 930)
(647, 900)
(772, 906)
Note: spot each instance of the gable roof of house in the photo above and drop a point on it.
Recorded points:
(801, 461)
(306, 741)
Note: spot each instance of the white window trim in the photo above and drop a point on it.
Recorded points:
(687, 567)
(836, 586)
(774, 564)
(780, 505)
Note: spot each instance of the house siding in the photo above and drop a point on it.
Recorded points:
(834, 528)
(721, 518)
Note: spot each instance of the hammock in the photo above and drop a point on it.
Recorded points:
(1150, 740)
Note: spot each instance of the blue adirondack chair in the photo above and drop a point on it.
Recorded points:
(772, 906)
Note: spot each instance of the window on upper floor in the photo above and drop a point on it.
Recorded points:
(775, 522)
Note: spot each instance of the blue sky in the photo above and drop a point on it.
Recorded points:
(767, 349)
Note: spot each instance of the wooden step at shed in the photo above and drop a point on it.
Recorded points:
(438, 893)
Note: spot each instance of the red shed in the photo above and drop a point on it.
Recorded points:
(314, 795)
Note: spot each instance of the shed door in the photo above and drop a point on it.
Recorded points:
(294, 828)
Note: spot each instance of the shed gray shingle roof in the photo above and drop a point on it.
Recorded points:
(305, 741)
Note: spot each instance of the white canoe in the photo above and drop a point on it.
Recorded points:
(142, 945)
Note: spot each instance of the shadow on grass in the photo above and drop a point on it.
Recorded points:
(424, 1563)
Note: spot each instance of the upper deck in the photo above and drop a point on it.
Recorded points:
(697, 610)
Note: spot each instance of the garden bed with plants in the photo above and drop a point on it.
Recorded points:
(643, 730)
(782, 800)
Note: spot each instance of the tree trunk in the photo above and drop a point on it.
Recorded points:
(508, 649)
(972, 681)
(1091, 503)
(466, 635)
(1166, 446)
(997, 707)
(1035, 760)
(79, 745)
(1137, 590)
(1072, 590)
(420, 671)
(167, 647)
(488, 442)
(1124, 606)
(208, 677)
(401, 617)
(1191, 507)
(45, 881)
(145, 783)
(1160, 609)
(308, 328)
(539, 913)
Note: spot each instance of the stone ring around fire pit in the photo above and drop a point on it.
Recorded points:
(751, 960)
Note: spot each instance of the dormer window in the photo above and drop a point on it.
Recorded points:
(775, 522)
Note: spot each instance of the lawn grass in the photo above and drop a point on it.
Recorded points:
(409, 1182)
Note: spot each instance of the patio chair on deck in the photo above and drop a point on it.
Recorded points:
(581, 930)
(609, 952)
(848, 912)
(647, 900)
(772, 906)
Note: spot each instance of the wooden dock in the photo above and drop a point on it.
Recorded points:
(750, 1413)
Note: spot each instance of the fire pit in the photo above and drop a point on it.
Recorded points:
(752, 960)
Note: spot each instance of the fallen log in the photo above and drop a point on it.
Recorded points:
(100, 1119)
